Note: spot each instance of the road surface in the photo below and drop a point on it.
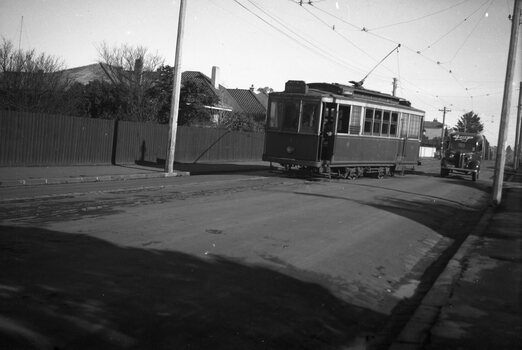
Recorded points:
(231, 261)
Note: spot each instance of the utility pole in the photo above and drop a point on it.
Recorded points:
(506, 102)
(518, 135)
(21, 30)
(174, 108)
(444, 111)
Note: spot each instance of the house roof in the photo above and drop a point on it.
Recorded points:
(432, 125)
(262, 97)
(86, 74)
(247, 101)
(226, 100)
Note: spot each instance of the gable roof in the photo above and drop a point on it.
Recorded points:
(86, 74)
(262, 97)
(247, 101)
(226, 101)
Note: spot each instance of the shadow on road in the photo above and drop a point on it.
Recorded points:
(449, 219)
(70, 291)
(208, 168)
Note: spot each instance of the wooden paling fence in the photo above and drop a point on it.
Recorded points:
(34, 139)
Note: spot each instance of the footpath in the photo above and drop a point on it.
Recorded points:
(476, 303)
(23, 176)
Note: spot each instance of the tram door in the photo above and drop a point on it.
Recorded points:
(328, 131)
(403, 134)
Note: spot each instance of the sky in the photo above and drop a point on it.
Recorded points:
(453, 53)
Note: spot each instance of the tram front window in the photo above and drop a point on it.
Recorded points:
(309, 118)
(291, 116)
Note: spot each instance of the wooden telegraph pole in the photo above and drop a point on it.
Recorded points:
(506, 102)
(518, 135)
(174, 108)
(444, 111)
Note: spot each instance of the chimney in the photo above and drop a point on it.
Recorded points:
(252, 87)
(215, 77)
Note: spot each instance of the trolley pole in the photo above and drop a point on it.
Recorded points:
(506, 102)
(444, 111)
(174, 107)
(518, 135)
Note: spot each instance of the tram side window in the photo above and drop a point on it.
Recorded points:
(385, 123)
(309, 118)
(291, 116)
(344, 119)
(404, 124)
(276, 111)
(414, 126)
(393, 124)
(355, 122)
(377, 119)
(368, 121)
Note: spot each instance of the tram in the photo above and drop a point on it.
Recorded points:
(341, 130)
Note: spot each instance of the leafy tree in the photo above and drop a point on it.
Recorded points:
(470, 122)
(266, 90)
(195, 97)
(160, 94)
(31, 81)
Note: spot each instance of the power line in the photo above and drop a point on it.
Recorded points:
(438, 63)
(455, 27)
(314, 47)
(470, 33)
(297, 34)
(418, 18)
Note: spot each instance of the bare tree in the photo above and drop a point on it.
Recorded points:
(132, 71)
(31, 81)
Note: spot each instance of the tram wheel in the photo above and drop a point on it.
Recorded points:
(380, 174)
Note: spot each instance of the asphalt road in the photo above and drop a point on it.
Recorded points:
(250, 261)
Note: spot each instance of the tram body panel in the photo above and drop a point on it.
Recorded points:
(295, 149)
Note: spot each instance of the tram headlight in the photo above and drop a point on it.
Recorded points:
(290, 149)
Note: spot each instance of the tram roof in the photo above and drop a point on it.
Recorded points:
(357, 93)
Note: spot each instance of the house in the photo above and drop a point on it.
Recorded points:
(226, 102)
(249, 102)
(85, 74)
(431, 141)
(230, 100)
(432, 129)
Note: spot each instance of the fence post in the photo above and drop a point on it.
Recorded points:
(114, 142)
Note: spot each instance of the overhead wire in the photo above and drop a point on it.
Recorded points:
(344, 37)
(456, 26)
(438, 63)
(273, 17)
(418, 18)
(314, 48)
(470, 33)
(393, 41)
